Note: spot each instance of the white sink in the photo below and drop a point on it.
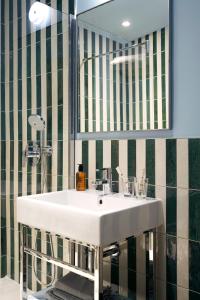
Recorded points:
(79, 216)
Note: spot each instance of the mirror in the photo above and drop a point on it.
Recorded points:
(123, 72)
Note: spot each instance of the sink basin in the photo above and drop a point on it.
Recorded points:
(88, 217)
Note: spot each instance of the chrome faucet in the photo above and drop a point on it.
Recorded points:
(106, 182)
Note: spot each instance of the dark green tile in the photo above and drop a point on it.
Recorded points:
(3, 265)
(60, 158)
(194, 295)
(49, 183)
(3, 155)
(20, 156)
(3, 223)
(132, 253)
(60, 51)
(194, 266)
(115, 271)
(11, 96)
(12, 152)
(28, 61)
(85, 158)
(59, 183)
(115, 163)
(131, 158)
(171, 259)
(11, 125)
(2, 11)
(2, 97)
(150, 161)
(19, 94)
(99, 158)
(29, 184)
(19, 124)
(171, 210)
(29, 90)
(194, 163)
(38, 58)
(71, 6)
(49, 161)
(171, 162)
(3, 126)
(3, 182)
(49, 123)
(163, 63)
(39, 188)
(132, 285)
(171, 292)
(49, 89)
(12, 268)
(19, 183)
(3, 241)
(48, 54)
(60, 87)
(194, 215)
(38, 91)
(19, 8)
(60, 123)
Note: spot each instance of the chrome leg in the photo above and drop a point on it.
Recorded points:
(154, 262)
(23, 275)
(98, 273)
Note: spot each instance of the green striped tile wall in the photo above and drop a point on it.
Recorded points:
(34, 65)
(126, 96)
(173, 169)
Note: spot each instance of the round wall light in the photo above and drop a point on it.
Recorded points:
(38, 13)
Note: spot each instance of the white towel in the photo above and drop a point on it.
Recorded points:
(77, 286)
(55, 294)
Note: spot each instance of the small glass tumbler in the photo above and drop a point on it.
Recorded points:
(127, 185)
(141, 187)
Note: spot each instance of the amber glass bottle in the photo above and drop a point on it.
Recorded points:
(80, 179)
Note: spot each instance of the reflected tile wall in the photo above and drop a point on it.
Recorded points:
(125, 96)
(172, 166)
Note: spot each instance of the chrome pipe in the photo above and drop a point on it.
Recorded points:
(60, 264)
(116, 51)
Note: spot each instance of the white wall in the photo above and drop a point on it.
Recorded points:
(186, 68)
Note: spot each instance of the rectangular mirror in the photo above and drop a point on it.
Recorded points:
(123, 70)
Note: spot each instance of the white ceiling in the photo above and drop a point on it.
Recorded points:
(145, 16)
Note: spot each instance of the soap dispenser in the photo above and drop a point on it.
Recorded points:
(80, 179)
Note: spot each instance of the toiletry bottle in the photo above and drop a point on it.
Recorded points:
(80, 179)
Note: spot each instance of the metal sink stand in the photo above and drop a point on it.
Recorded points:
(95, 274)
(93, 270)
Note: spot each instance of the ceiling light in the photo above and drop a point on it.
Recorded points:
(38, 13)
(126, 23)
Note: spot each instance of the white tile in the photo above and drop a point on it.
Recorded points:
(92, 162)
(182, 213)
(182, 163)
(182, 294)
(183, 263)
(140, 157)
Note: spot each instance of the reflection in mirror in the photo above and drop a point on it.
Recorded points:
(124, 66)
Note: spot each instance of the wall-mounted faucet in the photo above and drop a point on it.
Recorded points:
(38, 153)
(33, 150)
(105, 183)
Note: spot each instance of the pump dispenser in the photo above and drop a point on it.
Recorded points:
(80, 179)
